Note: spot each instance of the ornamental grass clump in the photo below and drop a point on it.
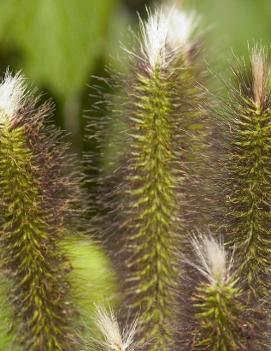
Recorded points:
(176, 294)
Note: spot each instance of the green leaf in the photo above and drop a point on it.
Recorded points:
(59, 39)
(93, 281)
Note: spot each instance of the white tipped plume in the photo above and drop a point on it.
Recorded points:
(260, 75)
(114, 338)
(154, 35)
(213, 261)
(183, 25)
(12, 94)
(167, 30)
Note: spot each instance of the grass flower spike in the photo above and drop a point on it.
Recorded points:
(161, 165)
(156, 103)
(217, 308)
(34, 204)
(248, 172)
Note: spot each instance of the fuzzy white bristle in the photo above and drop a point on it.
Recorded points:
(12, 94)
(114, 338)
(167, 30)
(213, 261)
(183, 25)
(260, 75)
(154, 36)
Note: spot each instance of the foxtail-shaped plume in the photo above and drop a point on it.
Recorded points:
(158, 111)
(217, 319)
(247, 177)
(35, 205)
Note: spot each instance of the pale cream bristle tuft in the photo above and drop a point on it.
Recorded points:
(212, 258)
(12, 96)
(260, 75)
(182, 29)
(154, 35)
(114, 338)
(167, 31)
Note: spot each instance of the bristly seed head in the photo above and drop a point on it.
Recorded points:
(114, 338)
(212, 259)
(12, 96)
(166, 31)
(260, 73)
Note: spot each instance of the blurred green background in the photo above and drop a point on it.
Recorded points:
(59, 44)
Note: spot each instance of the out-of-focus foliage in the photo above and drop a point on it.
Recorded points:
(59, 40)
(232, 25)
(93, 280)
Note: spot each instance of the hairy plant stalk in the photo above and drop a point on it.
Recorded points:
(218, 311)
(154, 206)
(248, 172)
(33, 206)
(161, 92)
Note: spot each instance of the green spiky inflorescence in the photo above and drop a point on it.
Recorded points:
(32, 219)
(248, 172)
(218, 314)
(159, 107)
(217, 306)
(153, 203)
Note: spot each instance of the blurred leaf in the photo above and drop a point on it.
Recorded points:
(93, 281)
(119, 36)
(234, 24)
(60, 39)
